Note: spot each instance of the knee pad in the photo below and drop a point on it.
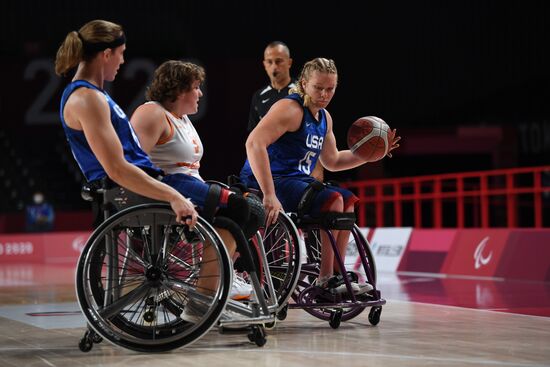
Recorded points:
(211, 202)
(257, 215)
(308, 198)
(237, 209)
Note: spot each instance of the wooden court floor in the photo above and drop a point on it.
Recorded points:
(426, 322)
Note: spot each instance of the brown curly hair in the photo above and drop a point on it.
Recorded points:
(172, 78)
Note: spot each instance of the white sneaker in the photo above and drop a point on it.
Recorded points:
(240, 290)
(361, 288)
(336, 285)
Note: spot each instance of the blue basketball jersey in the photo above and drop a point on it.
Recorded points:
(295, 153)
(89, 165)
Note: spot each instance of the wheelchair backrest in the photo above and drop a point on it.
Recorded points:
(110, 198)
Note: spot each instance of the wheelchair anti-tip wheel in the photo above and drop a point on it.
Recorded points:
(139, 271)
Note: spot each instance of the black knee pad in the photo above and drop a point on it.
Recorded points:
(311, 192)
(237, 209)
(257, 215)
(212, 202)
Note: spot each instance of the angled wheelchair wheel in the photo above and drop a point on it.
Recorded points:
(306, 292)
(140, 270)
(282, 249)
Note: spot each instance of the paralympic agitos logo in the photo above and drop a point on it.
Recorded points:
(479, 258)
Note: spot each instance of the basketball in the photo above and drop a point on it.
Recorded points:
(368, 138)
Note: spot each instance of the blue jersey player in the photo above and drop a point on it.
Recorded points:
(103, 141)
(287, 144)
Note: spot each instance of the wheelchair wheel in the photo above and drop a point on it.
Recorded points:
(138, 272)
(310, 272)
(282, 248)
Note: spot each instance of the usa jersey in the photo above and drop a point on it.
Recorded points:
(295, 153)
(89, 165)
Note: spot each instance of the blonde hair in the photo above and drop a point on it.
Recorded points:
(319, 64)
(71, 52)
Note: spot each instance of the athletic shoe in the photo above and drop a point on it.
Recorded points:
(337, 285)
(358, 288)
(240, 289)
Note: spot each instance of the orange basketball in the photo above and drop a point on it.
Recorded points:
(368, 138)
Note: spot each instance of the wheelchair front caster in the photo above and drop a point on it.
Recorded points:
(374, 315)
(87, 342)
(335, 319)
(257, 335)
(282, 314)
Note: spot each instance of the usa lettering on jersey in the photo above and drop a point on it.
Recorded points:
(314, 141)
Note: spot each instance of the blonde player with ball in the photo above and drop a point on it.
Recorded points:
(283, 150)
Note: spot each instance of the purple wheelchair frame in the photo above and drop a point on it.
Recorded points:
(321, 303)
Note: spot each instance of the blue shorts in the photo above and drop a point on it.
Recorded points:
(290, 190)
(194, 189)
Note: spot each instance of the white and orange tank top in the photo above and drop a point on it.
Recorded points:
(181, 151)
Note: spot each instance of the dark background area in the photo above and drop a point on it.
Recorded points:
(466, 83)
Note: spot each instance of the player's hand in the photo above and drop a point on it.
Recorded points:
(185, 211)
(393, 140)
(272, 207)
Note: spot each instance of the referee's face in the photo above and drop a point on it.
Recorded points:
(277, 63)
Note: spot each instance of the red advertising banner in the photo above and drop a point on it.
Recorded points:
(64, 247)
(21, 248)
(427, 250)
(527, 255)
(44, 248)
(476, 252)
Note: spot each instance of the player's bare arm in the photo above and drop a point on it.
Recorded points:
(150, 123)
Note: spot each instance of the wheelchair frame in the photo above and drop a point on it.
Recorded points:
(330, 307)
(102, 305)
(335, 307)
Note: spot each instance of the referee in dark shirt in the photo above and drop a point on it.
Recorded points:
(277, 63)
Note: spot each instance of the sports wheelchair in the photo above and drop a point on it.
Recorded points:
(294, 274)
(140, 268)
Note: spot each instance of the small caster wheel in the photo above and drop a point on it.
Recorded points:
(282, 314)
(149, 316)
(335, 319)
(86, 343)
(257, 335)
(374, 315)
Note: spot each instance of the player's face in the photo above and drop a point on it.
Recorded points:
(190, 98)
(277, 63)
(320, 87)
(115, 58)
